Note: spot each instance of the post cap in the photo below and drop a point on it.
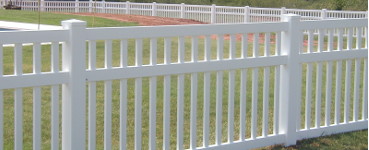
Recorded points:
(292, 17)
(67, 24)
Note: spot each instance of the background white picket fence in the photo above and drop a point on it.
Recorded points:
(204, 13)
(288, 53)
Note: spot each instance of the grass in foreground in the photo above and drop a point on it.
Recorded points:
(347, 141)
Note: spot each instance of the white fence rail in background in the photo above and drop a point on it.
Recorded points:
(147, 74)
(204, 13)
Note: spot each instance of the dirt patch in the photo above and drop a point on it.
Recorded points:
(157, 21)
(143, 20)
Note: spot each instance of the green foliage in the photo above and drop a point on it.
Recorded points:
(340, 4)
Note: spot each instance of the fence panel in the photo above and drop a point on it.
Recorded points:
(333, 111)
(29, 69)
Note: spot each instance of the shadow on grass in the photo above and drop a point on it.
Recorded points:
(347, 141)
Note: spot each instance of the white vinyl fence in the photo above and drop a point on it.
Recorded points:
(204, 13)
(235, 86)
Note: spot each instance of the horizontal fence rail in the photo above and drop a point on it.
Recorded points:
(203, 13)
(234, 86)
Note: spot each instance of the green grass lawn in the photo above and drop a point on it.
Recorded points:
(353, 140)
(55, 19)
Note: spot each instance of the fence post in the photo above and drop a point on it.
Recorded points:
(76, 6)
(73, 92)
(324, 14)
(103, 6)
(128, 6)
(283, 10)
(90, 6)
(213, 14)
(290, 79)
(183, 10)
(42, 5)
(247, 14)
(153, 13)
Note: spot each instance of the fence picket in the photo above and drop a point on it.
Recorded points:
(337, 98)
(365, 89)
(153, 85)
(167, 87)
(92, 98)
(366, 37)
(278, 43)
(232, 49)
(138, 113)
(329, 80)
(318, 89)
(359, 33)
(356, 89)
(123, 114)
(243, 103)
(206, 122)
(138, 97)
(123, 53)
(265, 123)
(219, 93)
(108, 98)
(123, 96)
(193, 127)
(256, 45)
(349, 38)
(310, 41)
(107, 114)
(231, 106)
(340, 39)
(108, 54)
(91, 115)
(276, 100)
(180, 94)
(1, 100)
(348, 78)
(318, 94)
(243, 88)
(92, 55)
(18, 100)
(219, 101)
(347, 91)
(309, 73)
(207, 48)
(36, 98)
(244, 45)
(267, 44)
(254, 115)
(18, 119)
(328, 94)
(55, 98)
